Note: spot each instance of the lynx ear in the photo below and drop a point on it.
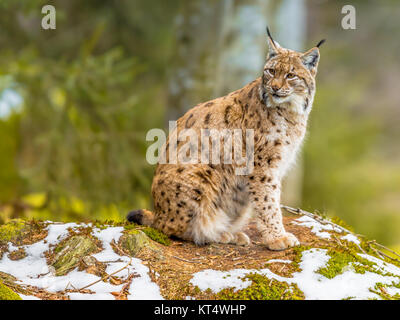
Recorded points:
(274, 47)
(310, 59)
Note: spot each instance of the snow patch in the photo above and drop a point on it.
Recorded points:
(381, 265)
(314, 285)
(316, 227)
(33, 269)
(279, 261)
(351, 238)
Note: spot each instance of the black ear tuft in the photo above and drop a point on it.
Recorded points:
(274, 46)
(320, 43)
(270, 37)
(269, 33)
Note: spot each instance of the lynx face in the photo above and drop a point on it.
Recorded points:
(289, 77)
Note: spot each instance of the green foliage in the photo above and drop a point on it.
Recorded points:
(92, 88)
(11, 182)
(86, 129)
(345, 176)
(351, 151)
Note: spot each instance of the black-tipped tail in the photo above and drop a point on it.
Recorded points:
(141, 216)
(135, 216)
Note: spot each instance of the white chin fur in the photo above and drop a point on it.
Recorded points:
(280, 100)
(293, 102)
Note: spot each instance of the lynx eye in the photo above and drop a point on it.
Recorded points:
(271, 72)
(290, 76)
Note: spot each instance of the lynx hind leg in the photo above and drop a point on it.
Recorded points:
(210, 226)
(216, 226)
(240, 238)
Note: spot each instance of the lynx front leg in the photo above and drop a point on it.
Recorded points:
(265, 196)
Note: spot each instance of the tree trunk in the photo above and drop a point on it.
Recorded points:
(290, 25)
(191, 77)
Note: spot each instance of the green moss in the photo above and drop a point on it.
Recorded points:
(131, 226)
(294, 254)
(12, 230)
(342, 223)
(152, 233)
(106, 224)
(157, 236)
(342, 260)
(298, 251)
(7, 294)
(263, 288)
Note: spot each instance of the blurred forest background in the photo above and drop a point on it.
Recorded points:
(76, 102)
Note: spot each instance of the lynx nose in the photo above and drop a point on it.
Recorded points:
(275, 88)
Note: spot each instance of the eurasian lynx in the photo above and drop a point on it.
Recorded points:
(208, 202)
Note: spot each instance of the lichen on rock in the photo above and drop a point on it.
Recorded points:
(135, 240)
(69, 253)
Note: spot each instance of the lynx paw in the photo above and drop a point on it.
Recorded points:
(226, 237)
(288, 240)
(242, 239)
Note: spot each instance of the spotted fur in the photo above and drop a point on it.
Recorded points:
(208, 202)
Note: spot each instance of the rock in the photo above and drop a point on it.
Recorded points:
(69, 253)
(91, 265)
(134, 241)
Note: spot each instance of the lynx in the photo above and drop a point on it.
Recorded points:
(208, 203)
